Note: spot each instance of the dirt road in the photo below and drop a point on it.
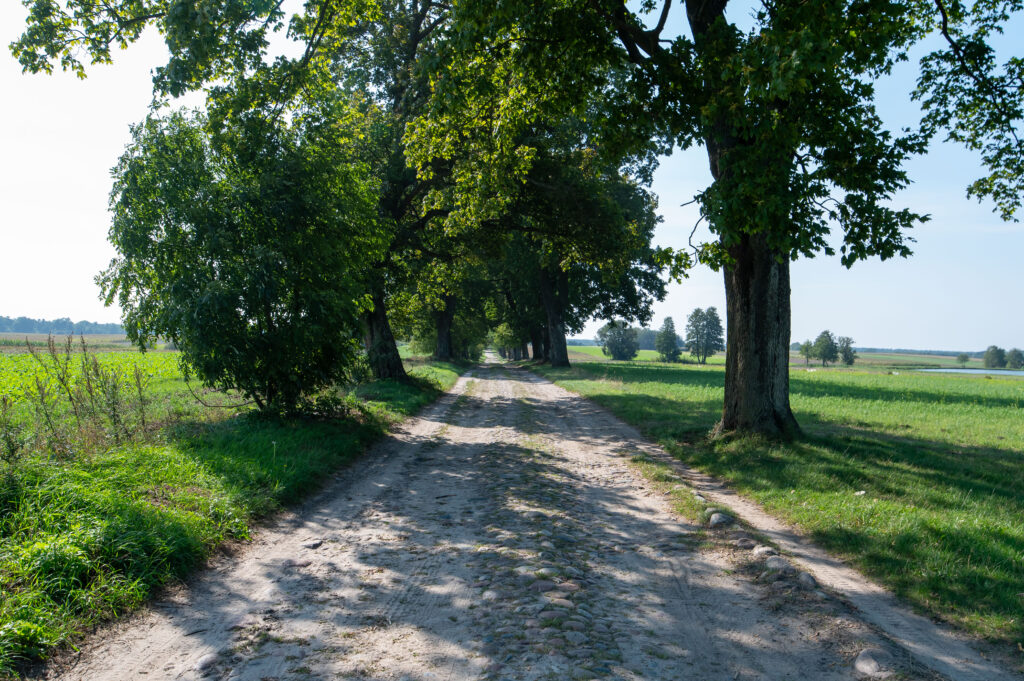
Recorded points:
(503, 534)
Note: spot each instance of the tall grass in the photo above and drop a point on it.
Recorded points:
(90, 528)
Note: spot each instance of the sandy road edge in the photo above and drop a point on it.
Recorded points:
(934, 645)
(230, 553)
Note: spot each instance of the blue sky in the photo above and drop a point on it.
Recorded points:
(60, 136)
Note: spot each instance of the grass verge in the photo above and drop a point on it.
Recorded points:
(86, 539)
(915, 478)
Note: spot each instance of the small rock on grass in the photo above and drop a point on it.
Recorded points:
(776, 563)
(313, 544)
(762, 551)
(873, 663)
(206, 661)
(745, 543)
(719, 520)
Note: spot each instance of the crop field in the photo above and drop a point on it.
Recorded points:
(895, 360)
(915, 478)
(591, 352)
(94, 516)
(16, 342)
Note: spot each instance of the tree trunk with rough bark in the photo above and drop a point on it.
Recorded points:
(537, 343)
(443, 348)
(381, 349)
(756, 290)
(757, 297)
(554, 291)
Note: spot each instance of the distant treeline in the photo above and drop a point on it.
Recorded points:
(645, 339)
(61, 326)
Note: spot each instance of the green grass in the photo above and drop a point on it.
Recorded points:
(88, 538)
(938, 457)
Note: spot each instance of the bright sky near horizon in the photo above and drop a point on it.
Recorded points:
(60, 136)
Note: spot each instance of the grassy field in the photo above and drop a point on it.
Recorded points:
(590, 352)
(15, 342)
(866, 360)
(916, 478)
(897, 361)
(89, 532)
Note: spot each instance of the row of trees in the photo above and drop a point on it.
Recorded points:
(450, 161)
(996, 357)
(58, 327)
(703, 338)
(829, 349)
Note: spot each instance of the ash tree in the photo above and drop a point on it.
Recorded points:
(785, 111)
(844, 344)
(618, 340)
(1015, 359)
(807, 351)
(666, 342)
(704, 334)
(214, 245)
(962, 359)
(825, 348)
(994, 357)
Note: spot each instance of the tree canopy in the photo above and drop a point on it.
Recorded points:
(214, 245)
(704, 334)
(667, 342)
(485, 108)
(618, 340)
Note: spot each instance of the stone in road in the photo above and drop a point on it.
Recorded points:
(503, 534)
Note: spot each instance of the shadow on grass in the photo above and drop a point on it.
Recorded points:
(458, 520)
(89, 539)
(941, 524)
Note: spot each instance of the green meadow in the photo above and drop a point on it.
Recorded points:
(917, 479)
(94, 519)
(590, 352)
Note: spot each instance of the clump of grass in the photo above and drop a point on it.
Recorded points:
(914, 478)
(87, 536)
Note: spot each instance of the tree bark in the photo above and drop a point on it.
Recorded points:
(385, 362)
(757, 348)
(553, 292)
(537, 343)
(443, 348)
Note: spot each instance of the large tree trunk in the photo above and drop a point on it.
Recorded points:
(757, 345)
(553, 292)
(537, 343)
(756, 284)
(385, 362)
(443, 349)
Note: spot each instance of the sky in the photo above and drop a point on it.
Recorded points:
(60, 136)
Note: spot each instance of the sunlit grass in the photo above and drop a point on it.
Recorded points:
(917, 478)
(89, 537)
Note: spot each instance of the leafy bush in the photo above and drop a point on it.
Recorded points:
(618, 341)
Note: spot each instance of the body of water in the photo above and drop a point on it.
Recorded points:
(989, 372)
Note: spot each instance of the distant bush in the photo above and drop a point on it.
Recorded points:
(618, 341)
(994, 358)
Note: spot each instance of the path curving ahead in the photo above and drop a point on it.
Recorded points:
(502, 534)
